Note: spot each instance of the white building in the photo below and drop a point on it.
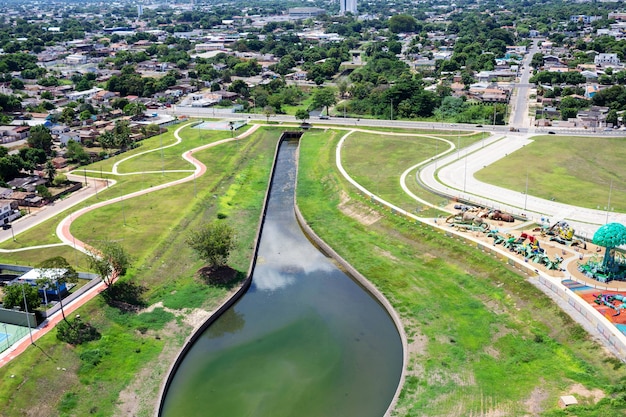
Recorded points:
(86, 94)
(606, 59)
(75, 59)
(347, 6)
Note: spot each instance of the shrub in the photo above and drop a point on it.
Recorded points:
(76, 332)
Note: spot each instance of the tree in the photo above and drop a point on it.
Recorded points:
(110, 262)
(56, 271)
(402, 23)
(324, 97)
(136, 110)
(51, 171)
(302, 114)
(122, 134)
(40, 138)
(107, 140)
(15, 294)
(610, 236)
(213, 242)
(268, 111)
(67, 115)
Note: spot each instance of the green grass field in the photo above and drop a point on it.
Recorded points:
(88, 379)
(574, 170)
(484, 341)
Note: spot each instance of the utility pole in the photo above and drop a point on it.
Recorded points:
(608, 206)
(27, 317)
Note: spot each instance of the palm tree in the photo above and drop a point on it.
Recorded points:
(51, 171)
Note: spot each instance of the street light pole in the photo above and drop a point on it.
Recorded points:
(465, 173)
(526, 192)
(7, 333)
(27, 318)
(162, 158)
(608, 206)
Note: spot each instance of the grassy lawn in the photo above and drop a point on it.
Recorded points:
(138, 348)
(482, 340)
(569, 169)
(377, 161)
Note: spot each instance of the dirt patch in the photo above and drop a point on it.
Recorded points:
(385, 253)
(586, 395)
(417, 345)
(534, 403)
(493, 352)
(357, 210)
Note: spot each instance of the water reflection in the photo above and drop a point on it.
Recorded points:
(305, 340)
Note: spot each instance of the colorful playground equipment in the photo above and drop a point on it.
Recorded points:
(609, 300)
(528, 246)
(472, 219)
(561, 232)
(613, 265)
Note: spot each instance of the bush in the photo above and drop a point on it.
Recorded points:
(76, 332)
(60, 179)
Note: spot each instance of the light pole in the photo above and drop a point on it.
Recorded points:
(27, 318)
(7, 333)
(608, 206)
(526, 192)
(391, 109)
(162, 157)
(465, 173)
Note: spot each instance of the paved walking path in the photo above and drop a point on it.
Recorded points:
(64, 233)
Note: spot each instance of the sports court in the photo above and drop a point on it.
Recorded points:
(221, 125)
(11, 333)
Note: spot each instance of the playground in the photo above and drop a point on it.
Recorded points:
(609, 303)
(221, 125)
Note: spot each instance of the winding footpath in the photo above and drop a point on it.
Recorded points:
(64, 233)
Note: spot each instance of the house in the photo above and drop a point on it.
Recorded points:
(64, 138)
(9, 211)
(12, 133)
(86, 94)
(27, 183)
(26, 199)
(76, 59)
(36, 275)
(606, 59)
(58, 130)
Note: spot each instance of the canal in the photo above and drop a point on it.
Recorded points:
(305, 339)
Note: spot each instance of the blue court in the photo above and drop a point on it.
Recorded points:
(3, 336)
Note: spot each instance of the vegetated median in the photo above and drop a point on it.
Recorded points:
(120, 373)
(482, 339)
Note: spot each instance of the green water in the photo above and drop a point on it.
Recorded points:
(305, 340)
